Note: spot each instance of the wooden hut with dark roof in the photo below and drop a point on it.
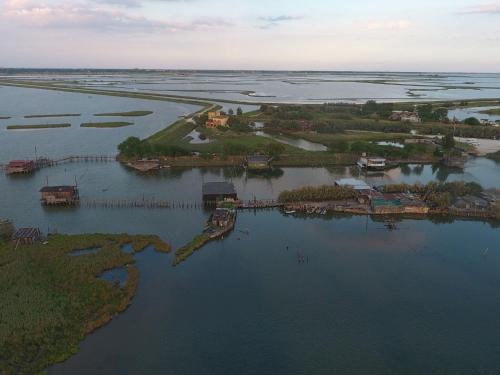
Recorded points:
(27, 236)
(60, 195)
(218, 191)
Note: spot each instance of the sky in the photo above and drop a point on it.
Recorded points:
(387, 35)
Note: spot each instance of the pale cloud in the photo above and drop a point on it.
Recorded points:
(84, 15)
(485, 8)
(272, 21)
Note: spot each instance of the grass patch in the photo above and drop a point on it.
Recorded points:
(492, 112)
(55, 115)
(186, 251)
(38, 126)
(112, 124)
(126, 114)
(51, 300)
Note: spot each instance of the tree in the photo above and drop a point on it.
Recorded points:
(472, 121)
(239, 111)
(441, 114)
(230, 112)
(130, 147)
(448, 141)
(339, 146)
(370, 107)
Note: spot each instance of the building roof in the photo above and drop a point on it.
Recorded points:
(26, 233)
(354, 183)
(218, 188)
(58, 189)
(20, 163)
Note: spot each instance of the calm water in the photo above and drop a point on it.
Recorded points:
(419, 300)
(463, 113)
(368, 301)
(296, 87)
(19, 102)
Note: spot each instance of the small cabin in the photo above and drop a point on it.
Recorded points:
(27, 236)
(60, 195)
(218, 191)
(372, 163)
(21, 167)
(257, 162)
(221, 218)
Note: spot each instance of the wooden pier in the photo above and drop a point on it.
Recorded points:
(45, 162)
(40, 163)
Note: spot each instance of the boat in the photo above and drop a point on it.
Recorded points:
(290, 212)
(372, 163)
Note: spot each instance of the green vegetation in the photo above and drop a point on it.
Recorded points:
(38, 126)
(492, 112)
(442, 195)
(112, 124)
(51, 300)
(472, 121)
(186, 251)
(55, 115)
(317, 194)
(494, 156)
(126, 114)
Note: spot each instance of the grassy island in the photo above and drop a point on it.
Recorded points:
(113, 124)
(492, 112)
(186, 251)
(125, 114)
(51, 300)
(54, 115)
(38, 126)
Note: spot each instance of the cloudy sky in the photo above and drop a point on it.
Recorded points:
(424, 35)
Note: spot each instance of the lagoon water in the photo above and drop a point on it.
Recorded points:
(285, 87)
(19, 102)
(420, 300)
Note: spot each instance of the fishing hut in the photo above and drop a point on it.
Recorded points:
(20, 167)
(218, 191)
(27, 236)
(221, 218)
(258, 163)
(60, 195)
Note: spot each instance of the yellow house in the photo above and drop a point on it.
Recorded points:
(215, 120)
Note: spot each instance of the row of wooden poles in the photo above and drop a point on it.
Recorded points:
(154, 203)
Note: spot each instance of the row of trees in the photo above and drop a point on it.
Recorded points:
(134, 147)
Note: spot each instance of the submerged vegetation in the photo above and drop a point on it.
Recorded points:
(38, 126)
(125, 114)
(111, 124)
(51, 300)
(54, 115)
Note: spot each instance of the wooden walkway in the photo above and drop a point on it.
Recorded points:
(45, 162)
